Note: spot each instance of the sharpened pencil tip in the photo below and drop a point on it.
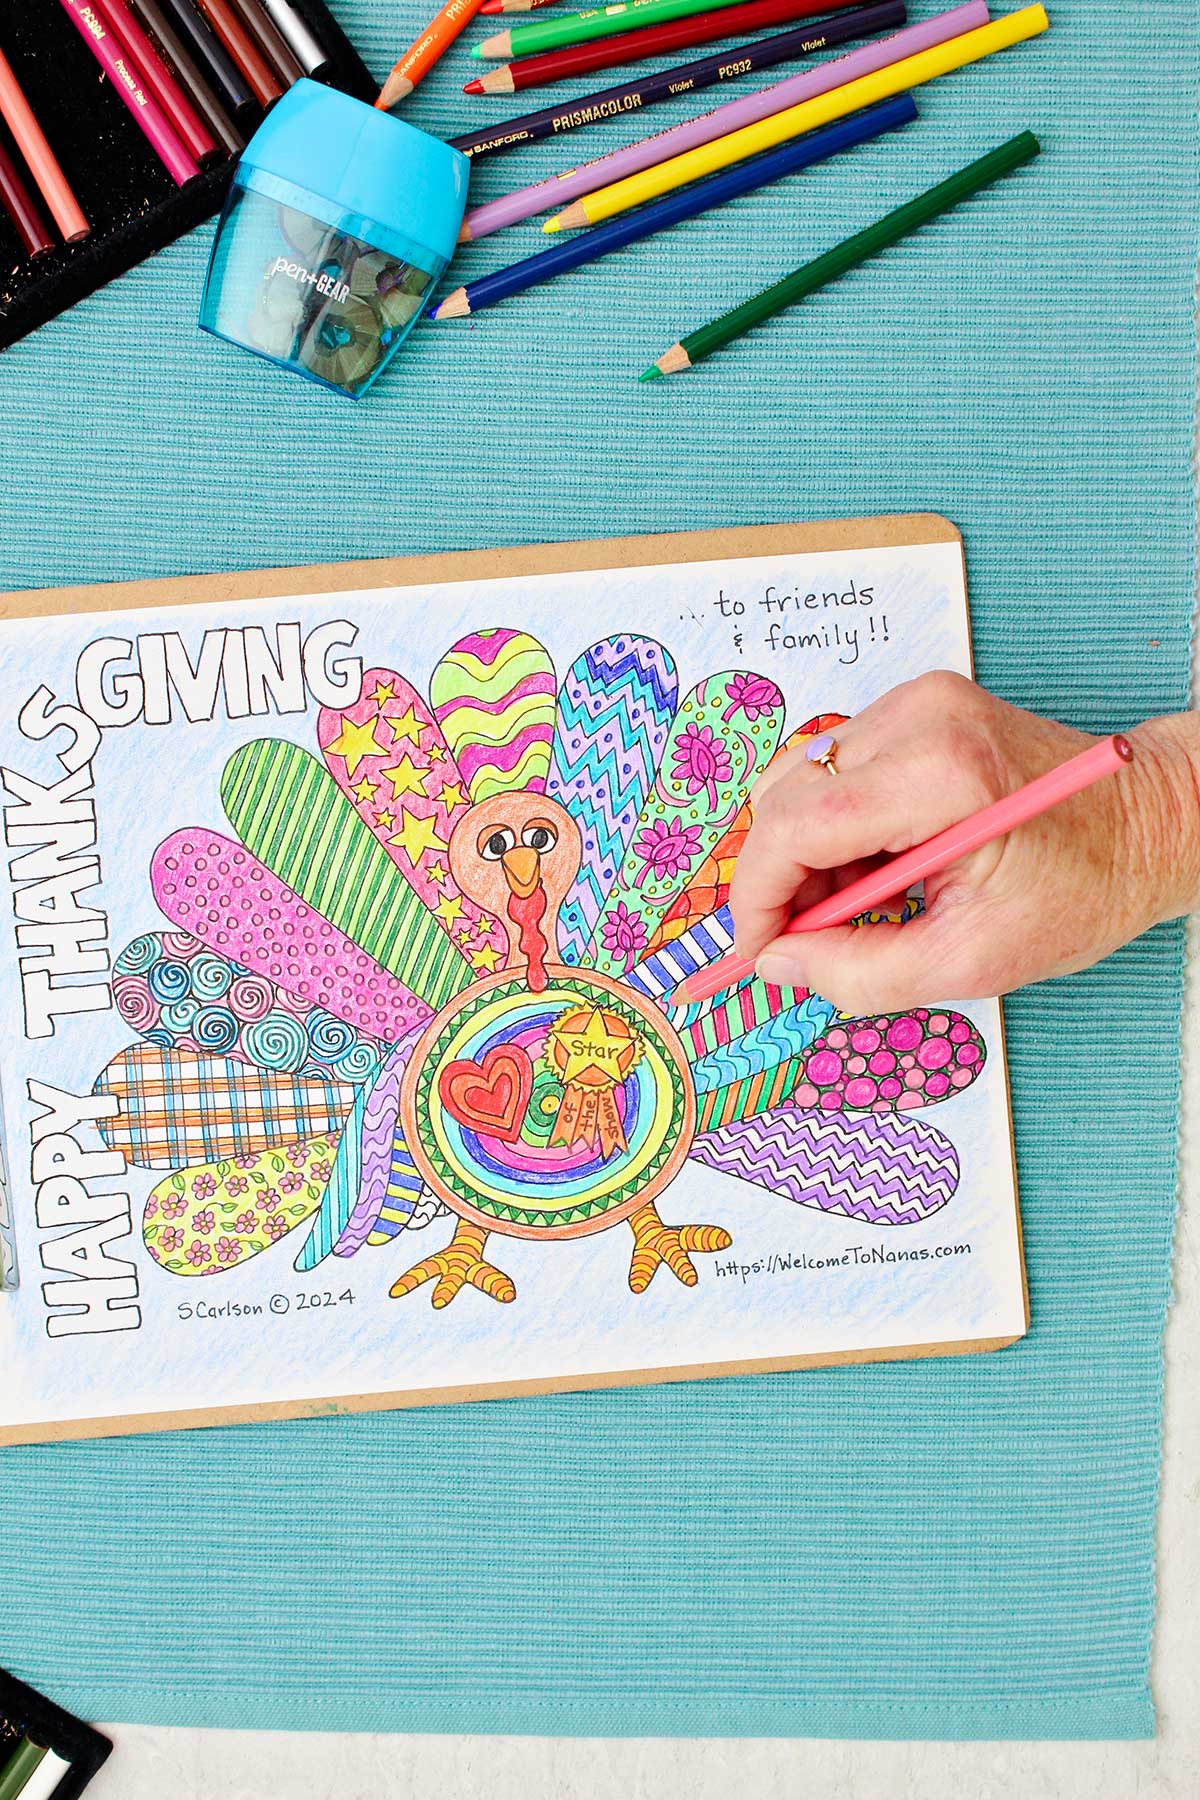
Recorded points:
(653, 373)
(474, 87)
(551, 226)
(477, 52)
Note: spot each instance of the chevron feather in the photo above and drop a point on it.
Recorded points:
(881, 1169)
(614, 711)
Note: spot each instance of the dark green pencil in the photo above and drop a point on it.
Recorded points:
(846, 255)
(19, 1770)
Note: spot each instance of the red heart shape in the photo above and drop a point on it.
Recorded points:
(489, 1096)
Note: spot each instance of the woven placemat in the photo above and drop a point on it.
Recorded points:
(958, 1548)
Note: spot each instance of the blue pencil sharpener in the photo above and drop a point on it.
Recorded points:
(339, 223)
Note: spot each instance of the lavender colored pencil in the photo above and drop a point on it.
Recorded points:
(524, 202)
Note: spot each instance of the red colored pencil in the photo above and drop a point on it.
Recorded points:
(28, 219)
(651, 40)
(159, 79)
(227, 25)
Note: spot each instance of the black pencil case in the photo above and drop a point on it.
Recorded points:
(132, 204)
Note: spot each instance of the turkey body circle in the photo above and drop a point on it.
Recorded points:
(551, 1113)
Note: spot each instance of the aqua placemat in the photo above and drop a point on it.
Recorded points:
(938, 1549)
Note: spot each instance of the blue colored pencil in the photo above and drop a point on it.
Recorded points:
(686, 203)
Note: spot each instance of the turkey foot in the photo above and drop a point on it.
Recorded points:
(654, 1243)
(452, 1268)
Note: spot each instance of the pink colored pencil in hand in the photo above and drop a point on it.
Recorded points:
(937, 852)
(557, 189)
(92, 23)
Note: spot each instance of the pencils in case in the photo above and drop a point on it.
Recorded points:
(307, 48)
(583, 27)
(718, 151)
(36, 237)
(20, 1769)
(276, 50)
(42, 163)
(846, 255)
(154, 18)
(223, 74)
(227, 25)
(158, 79)
(507, 209)
(94, 27)
(685, 78)
(702, 197)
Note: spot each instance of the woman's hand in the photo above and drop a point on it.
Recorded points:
(1055, 895)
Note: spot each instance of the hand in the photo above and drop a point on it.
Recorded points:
(1055, 895)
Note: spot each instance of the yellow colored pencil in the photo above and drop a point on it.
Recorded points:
(706, 159)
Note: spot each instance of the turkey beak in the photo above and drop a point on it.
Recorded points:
(522, 870)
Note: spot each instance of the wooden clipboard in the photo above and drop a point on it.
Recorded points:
(674, 548)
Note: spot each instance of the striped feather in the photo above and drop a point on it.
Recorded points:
(881, 1170)
(290, 813)
(764, 1047)
(721, 739)
(614, 711)
(339, 1197)
(493, 696)
(661, 972)
(712, 1026)
(380, 1132)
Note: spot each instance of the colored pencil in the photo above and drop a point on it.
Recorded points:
(227, 25)
(276, 51)
(41, 161)
(936, 853)
(307, 48)
(222, 73)
(95, 28)
(20, 1769)
(524, 202)
(155, 19)
(570, 252)
(158, 79)
(684, 78)
(507, 6)
(910, 72)
(582, 27)
(47, 1780)
(420, 57)
(27, 217)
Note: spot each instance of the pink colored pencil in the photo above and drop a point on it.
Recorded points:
(92, 23)
(937, 852)
(524, 202)
(147, 61)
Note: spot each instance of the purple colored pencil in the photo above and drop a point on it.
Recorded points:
(524, 202)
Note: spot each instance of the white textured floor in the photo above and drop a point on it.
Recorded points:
(156, 1764)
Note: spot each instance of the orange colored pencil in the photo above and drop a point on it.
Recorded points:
(17, 113)
(432, 44)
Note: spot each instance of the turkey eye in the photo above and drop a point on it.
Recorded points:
(537, 836)
(495, 844)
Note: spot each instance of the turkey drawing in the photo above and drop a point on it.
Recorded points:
(420, 982)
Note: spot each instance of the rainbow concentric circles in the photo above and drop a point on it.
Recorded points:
(527, 1188)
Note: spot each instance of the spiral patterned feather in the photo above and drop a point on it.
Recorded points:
(615, 708)
(179, 995)
(721, 739)
(290, 813)
(493, 696)
(388, 756)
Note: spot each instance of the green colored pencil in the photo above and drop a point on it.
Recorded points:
(601, 21)
(19, 1770)
(846, 255)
